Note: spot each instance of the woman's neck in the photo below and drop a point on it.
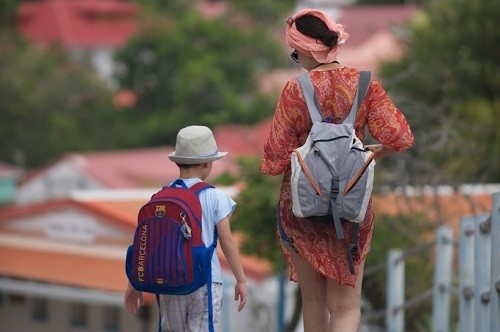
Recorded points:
(326, 66)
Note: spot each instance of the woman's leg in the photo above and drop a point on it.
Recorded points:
(344, 305)
(313, 289)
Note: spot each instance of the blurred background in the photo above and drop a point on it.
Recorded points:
(93, 92)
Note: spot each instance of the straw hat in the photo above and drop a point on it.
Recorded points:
(195, 145)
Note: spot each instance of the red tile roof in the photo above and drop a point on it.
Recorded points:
(146, 167)
(63, 268)
(243, 140)
(78, 23)
(150, 167)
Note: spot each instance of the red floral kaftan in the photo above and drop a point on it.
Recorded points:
(335, 90)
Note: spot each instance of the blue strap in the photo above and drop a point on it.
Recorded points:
(283, 237)
(178, 183)
(210, 304)
(159, 310)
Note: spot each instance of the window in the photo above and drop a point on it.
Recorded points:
(17, 299)
(39, 309)
(111, 319)
(79, 316)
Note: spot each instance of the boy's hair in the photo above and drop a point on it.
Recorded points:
(186, 166)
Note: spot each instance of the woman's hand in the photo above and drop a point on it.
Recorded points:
(379, 150)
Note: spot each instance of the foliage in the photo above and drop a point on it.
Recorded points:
(448, 83)
(385, 2)
(190, 70)
(265, 12)
(8, 9)
(49, 105)
(255, 215)
(173, 7)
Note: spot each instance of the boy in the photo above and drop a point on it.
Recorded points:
(195, 151)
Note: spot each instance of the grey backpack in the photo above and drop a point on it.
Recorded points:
(332, 173)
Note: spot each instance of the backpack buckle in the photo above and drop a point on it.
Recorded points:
(335, 187)
(185, 229)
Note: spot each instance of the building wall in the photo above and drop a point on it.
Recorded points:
(56, 183)
(101, 60)
(17, 315)
(260, 314)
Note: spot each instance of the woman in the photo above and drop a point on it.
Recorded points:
(331, 295)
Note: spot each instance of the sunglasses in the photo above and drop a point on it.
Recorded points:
(295, 56)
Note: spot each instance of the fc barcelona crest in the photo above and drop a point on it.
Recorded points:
(160, 210)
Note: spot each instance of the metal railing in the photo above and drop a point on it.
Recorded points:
(478, 273)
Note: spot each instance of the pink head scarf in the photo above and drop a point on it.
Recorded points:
(311, 46)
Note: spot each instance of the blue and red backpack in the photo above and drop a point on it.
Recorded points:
(168, 255)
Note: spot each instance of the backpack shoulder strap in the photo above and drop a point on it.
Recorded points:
(363, 84)
(198, 187)
(310, 97)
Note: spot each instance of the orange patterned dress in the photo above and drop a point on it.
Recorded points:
(335, 90)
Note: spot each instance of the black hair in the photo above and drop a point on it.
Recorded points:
(314, 27)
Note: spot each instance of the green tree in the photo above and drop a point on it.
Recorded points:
(265, 12)
(188, 70)
(448, 83)
(49, 105)
(385, 2)
(8, 11)
(171, 7)
(256, 213)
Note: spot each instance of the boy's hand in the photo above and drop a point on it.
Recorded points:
(240, 293)
(133, 299)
